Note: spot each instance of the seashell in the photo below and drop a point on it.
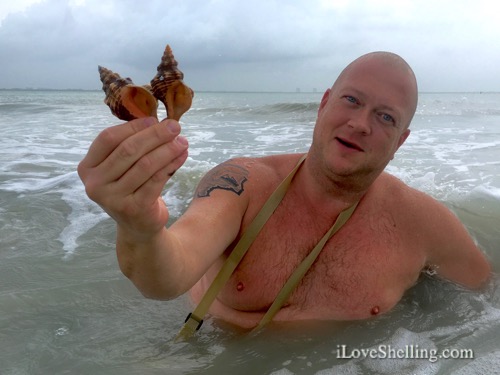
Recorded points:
(168, 87)
(126, 100)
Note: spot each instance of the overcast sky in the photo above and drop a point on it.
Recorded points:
(268, 45)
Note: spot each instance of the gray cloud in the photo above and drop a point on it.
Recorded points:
(253, 45)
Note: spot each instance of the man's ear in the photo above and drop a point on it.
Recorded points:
(324, 100)
(403, 137)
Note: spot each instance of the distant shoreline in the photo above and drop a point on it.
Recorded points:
(200, 91)
(240, 92)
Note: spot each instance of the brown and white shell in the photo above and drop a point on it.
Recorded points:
(168, 87)
(126, 100)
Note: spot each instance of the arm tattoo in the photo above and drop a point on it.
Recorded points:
(226, 176)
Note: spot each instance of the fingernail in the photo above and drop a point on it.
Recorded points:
(149, 121)
(173, 126)
(182, 140)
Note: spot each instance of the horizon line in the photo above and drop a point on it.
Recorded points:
(244, 91)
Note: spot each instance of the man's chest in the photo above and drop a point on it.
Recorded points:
(363, 270)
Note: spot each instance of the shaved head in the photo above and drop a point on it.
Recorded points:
(393, 66)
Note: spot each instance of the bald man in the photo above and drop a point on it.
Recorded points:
(363, 270)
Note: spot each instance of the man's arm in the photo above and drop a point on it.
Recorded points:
(198, 238)
(124, 171)
(452, 252)
(171, 263)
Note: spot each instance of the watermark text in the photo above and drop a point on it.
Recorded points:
(406, 352)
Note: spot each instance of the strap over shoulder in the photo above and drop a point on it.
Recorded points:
(194, 319)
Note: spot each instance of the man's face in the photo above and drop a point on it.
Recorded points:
(364, 118)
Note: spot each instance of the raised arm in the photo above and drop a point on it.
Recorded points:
(125, 170)
(171, 263)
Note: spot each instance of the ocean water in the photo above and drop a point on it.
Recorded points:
(65, 308)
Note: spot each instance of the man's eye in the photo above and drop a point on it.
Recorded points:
(388, 118)
(351, 99)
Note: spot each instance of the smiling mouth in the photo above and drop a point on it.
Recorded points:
(349, 145)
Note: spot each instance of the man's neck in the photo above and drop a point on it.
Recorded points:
(327, 194)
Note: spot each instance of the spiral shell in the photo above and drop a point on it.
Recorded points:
(126, 100)
(167, 86)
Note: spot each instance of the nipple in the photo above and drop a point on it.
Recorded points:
(375, 310)
(240, 286)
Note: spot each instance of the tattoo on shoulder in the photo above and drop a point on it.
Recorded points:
(227, 176)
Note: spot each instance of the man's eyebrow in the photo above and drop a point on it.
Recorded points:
(385, 107)
(361, 94)
(352, 89)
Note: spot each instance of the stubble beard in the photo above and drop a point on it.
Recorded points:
(346, 174)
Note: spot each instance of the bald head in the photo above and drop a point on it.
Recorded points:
(387, 67)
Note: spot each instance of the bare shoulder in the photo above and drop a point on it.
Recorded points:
(225, 198)
(422, 218)
(230, 176)
(423, 210)
(414, 203)
(423, 215)
(244, 174)
(446, 242)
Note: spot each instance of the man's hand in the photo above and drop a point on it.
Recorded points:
(127, 167)
(125, 171)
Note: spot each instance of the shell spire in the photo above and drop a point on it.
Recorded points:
(126, 100)
(168, 87)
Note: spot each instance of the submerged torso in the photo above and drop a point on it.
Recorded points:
(362, 271)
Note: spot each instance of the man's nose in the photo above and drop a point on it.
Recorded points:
(360, 121)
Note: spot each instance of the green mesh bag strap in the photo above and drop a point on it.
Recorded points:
(303, 267)
(194, 319)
